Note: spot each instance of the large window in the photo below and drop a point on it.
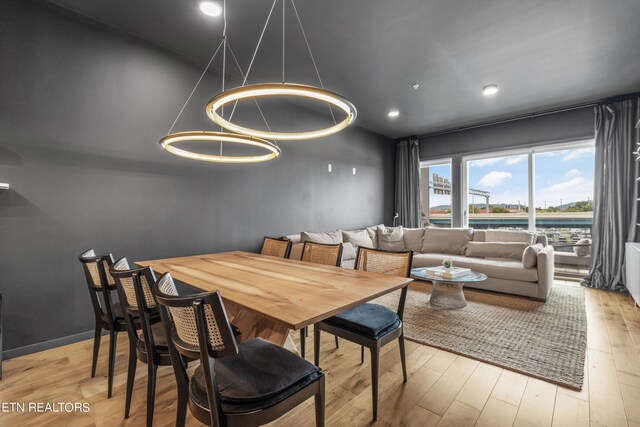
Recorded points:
(498, 192)
(557, 181)
(435, 192)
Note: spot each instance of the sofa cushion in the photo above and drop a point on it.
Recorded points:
(494, 268)
(349, 264)
(327, 238)
(510, 236)
(446, 240)
(357, 238)
(373, 234)
(511, 250)
(530, 255)
(348, 252)
(413, 238)
(390, 239)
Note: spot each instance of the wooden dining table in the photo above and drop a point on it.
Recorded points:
(266, 297)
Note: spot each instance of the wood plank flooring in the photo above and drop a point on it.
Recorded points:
(443, 389)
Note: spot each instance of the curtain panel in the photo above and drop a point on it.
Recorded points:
(407, 200)
(615, 193)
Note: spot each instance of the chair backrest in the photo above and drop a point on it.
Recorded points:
(131, 281)
(386, 262)
(133, 287)
(96, 269)
(276, 247)
(99, 281)
(191, 317)
(321, 253)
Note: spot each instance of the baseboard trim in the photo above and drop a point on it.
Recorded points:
(46, 345)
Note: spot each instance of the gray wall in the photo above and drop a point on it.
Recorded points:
(82, 110)
(562, 127)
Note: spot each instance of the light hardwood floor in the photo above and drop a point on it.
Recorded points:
(443, 389)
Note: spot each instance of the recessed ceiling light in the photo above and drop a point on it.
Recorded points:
(210, 8)
(415, 86)
(393, 113)
(490, 90)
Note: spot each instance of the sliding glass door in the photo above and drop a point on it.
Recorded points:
(436, 193)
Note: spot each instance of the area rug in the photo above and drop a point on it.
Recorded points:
(543, 340)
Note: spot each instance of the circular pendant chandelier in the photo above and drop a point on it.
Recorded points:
(284, 89)
(280, 89)
(169, 143)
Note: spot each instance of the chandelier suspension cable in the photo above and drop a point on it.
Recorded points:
(195, 87)
(313, 60)
(224, 57)
(264, 119)
(284, 2)
(253, 57)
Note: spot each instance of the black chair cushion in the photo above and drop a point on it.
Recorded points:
(159, 338)
(260, 375)
(371, 320)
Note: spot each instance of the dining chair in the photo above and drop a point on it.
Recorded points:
(108, 315)
(251, 383)
(319, 253)
(372, 325)
(150, 347)
(280, 248)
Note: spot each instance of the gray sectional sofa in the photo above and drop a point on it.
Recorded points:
(515, 262)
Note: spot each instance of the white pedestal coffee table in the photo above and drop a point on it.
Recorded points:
(448, 294)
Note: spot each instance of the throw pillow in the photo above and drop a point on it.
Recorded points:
(530, 255)
(390, 239)
(413, 238)
(328, 238)
(446, 240)
(512, 250)
(348, 252)
(373, 234)
(357, 238)
(582, 250)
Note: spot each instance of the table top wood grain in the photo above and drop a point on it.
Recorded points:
(294, 293)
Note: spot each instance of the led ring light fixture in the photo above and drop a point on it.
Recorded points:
(280, 89)
(169, 143)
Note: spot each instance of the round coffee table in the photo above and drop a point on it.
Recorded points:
(448, 294)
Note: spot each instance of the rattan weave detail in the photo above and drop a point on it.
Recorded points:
(184, 319)
(274, 247)
(394, 264)
(320, 253)
(129, 290)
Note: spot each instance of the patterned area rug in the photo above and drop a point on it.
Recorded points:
(543, 340)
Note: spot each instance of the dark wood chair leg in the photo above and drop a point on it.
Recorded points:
(316, 346)
(131, 375)
(303, 343)
(96, 348)
(151, 391)
(113, 340)
(319, 405)
(375, 359)
(361, 354)
(337, 342)
(403, 359)
(183, 401)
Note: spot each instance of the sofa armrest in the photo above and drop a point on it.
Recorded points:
(546, 272)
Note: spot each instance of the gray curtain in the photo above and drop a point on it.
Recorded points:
(615, 215)
(408, 183)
